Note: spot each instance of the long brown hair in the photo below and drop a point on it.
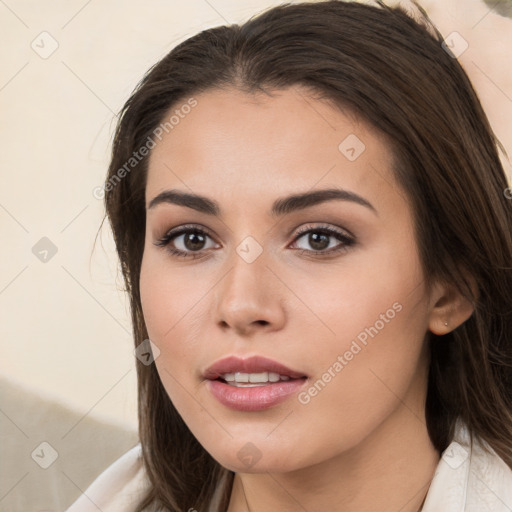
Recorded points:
(391, 68)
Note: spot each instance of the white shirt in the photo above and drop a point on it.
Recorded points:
(465, 480)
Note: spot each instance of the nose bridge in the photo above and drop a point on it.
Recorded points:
(245, 282)
(249, 294)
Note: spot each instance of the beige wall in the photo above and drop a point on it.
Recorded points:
(64, 325)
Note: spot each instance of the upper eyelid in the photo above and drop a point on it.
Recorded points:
(179, 230)
(324, 226)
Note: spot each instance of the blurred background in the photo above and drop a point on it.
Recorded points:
(67, 369)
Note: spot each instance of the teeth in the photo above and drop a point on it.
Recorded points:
(240, 379)
(257, 377)
(273, 377)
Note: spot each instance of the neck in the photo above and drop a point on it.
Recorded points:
(390, 470)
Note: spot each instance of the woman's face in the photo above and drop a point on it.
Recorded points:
(328, 286)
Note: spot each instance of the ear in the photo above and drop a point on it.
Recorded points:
(449, 308)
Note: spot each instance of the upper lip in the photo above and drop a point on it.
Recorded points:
(254, 364)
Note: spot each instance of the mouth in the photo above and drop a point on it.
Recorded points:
(251, 380)
(255, 370)
(252, 384)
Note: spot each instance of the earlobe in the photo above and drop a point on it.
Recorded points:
(450, 309)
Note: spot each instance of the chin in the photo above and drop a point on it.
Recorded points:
(263, 465)
(253, 454)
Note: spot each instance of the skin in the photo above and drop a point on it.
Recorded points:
(361, 443)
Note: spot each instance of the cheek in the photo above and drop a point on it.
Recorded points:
(173, 305)
(363, 379)
(170, 300)
(370, 295)
(372, 358)
(169, 305)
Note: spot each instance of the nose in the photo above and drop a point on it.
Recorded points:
(249, 298)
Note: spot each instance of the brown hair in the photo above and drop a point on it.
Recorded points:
(391, 69)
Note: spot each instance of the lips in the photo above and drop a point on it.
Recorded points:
(251, 365)
(252, 384)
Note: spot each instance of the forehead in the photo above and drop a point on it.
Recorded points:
(232, 141)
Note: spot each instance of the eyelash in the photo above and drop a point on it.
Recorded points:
(347, 241)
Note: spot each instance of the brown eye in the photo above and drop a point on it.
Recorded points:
(323, 240)
(186, 241)
(318, 241)
(194, 241)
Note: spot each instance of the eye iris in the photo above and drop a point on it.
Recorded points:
(194, 241)
(319, 240)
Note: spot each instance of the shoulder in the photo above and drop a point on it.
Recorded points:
(471, 478)
(118, 489)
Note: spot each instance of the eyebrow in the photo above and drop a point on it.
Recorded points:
(280, 207)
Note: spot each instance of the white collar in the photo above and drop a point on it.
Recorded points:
(469, 479)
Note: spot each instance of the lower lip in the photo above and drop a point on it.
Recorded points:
(255, 398)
